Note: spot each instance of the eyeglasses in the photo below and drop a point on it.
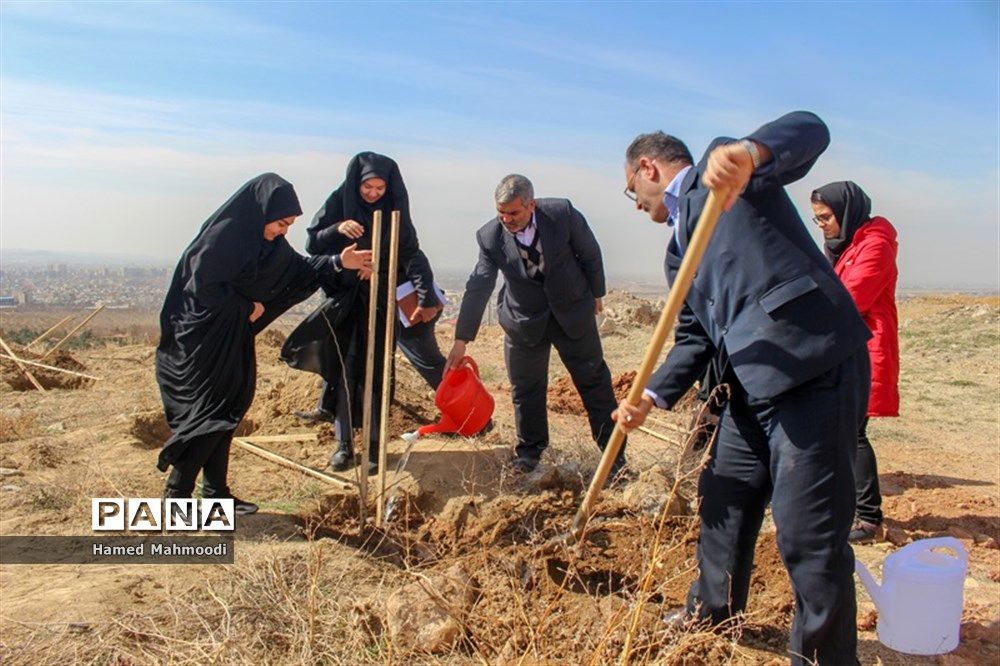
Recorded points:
(628, 185)
(823, 220)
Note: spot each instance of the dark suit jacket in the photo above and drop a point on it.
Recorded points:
(574, 277)
(764, 290)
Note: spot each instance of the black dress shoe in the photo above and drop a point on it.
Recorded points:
(524, 464)
(343, 458)
(316, 416)
(243, 507)
(862, 531)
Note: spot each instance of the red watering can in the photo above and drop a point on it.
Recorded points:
(466, 406)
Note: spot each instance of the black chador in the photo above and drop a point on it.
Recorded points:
(332, 341)
(205, 362)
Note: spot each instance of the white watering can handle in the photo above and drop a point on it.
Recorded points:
(909, 551)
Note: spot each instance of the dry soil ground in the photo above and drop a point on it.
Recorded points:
(312, 585)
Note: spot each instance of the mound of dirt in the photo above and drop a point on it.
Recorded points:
(614, 575)
(564, 398)
(50, 379)
(274, 408)
(631, 311)
(151, 430)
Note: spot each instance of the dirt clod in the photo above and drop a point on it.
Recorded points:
(150, 429)
(429, 614)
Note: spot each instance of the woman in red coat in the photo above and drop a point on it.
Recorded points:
(862, 250)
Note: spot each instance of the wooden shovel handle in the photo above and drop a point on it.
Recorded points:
(675, 300)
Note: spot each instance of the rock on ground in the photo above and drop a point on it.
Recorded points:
(428, 615)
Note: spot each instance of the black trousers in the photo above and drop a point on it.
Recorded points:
(528, 371)
(797, 451)
(208, 454)
(868, 495)
(420, 350)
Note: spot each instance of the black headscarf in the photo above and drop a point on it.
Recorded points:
(340, 356)
(346, 203)
(365, 166)
(852, 208)
(205, 362)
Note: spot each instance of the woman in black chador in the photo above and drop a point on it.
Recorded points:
(236, 277)
(373, 182)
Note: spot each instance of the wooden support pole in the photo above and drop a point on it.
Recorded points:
(291, 464)
(366, 421)
(389, 356)
(71, 333)
(49, 367)
(48, 332)
(17, 362)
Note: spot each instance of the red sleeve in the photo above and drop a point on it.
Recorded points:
(873, 268)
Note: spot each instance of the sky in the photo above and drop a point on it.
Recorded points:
(124, 125)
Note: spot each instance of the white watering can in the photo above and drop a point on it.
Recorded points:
(920, 599)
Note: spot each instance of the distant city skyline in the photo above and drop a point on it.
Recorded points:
(124, 125)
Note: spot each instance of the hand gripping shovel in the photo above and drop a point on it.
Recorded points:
(675, 299)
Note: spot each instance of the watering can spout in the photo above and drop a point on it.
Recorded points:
(875, 591)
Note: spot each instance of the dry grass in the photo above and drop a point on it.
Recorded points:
(15, 424)
(322, 600)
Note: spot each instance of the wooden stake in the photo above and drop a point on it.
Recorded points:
(49, 367)
(675, 300)
(290, 437)
(389, 355)
(71, 333)
(657, 435)
(291, 464)
(48, 332)
(366, 420)
(27, 373)
(664, 424)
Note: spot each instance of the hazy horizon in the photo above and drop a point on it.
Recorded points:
(614, 279)
(125, 125)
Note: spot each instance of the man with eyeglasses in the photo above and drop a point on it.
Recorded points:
(553, 284)
(798, 369)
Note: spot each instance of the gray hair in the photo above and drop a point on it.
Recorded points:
(658, 146)
(513, 187)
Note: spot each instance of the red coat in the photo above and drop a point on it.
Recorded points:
(868, 270)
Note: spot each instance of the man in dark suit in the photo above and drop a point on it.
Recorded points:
(553, 285)
(798, 370)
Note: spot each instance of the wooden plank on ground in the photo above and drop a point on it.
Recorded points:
(290, 437)
(50, 367)
(341, 483)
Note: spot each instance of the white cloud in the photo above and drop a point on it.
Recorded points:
(92, 172)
